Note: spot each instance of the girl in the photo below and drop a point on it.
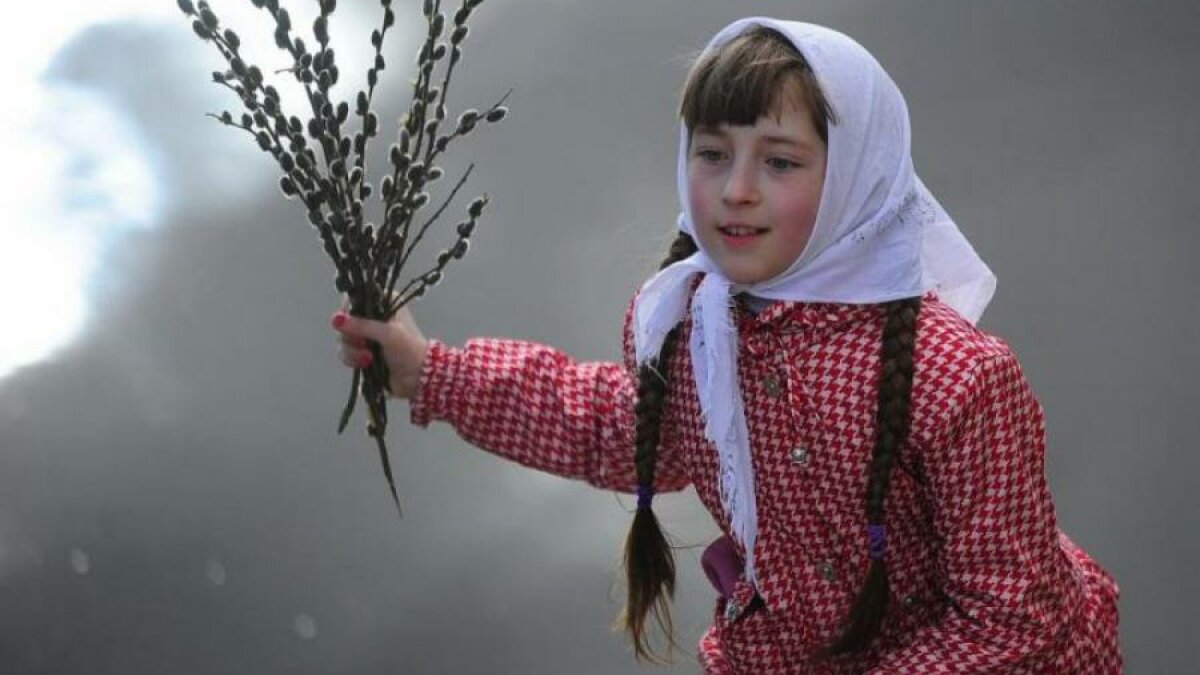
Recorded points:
(806, 358)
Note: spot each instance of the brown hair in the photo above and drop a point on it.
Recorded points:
(891, 430)
(747, 78)
(649, 563)
(737, 83)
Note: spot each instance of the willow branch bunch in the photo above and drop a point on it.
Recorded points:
(323, 165)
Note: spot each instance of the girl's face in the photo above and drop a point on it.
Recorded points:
(753, 191)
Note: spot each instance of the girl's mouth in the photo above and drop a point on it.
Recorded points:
(740, 235)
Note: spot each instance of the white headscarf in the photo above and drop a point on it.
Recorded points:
(879, 235)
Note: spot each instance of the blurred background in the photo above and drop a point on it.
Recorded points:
(173, 497)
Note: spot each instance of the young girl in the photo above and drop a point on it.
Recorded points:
(806, 358)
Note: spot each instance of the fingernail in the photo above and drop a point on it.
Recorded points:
(339, 319)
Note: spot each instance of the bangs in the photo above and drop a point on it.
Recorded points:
(752, 76)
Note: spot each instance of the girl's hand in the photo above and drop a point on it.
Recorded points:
(400, 341)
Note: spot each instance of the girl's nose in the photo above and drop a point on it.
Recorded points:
(741, 186)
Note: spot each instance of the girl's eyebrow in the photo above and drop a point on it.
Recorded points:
(788, 140)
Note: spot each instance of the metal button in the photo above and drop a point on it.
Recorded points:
(826, 570)
(910, 601)
(771, 384)
(731, 610)
(799, 456)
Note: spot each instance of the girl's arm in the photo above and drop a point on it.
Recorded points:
(1009, 590)
(536, 406)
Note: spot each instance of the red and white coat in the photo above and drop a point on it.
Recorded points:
(982, 580)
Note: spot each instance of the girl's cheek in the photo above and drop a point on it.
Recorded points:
(696, 201)
(705, 184)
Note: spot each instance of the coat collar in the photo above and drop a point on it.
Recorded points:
(792, 316)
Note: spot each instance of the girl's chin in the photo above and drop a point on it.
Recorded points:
(743, 276)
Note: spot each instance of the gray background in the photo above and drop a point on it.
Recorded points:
(173, 498)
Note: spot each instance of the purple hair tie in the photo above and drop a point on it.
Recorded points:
(877, 536)
(644, 494)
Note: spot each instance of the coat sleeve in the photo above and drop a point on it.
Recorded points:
(535, 405)
(1000, 566)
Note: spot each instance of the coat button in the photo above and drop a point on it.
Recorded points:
(826, 570)
(771, 384)
(731, 610)
(910, 601)
(799, 456)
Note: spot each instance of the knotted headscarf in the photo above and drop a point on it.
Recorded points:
(879, 235)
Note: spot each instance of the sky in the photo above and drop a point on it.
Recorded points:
(89, 175)
(174, 497)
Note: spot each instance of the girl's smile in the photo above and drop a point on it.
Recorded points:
(738, 236)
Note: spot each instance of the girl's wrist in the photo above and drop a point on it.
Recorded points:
(407, 384)
(405, 388)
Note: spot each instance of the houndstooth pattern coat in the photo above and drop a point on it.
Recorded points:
(982, 580)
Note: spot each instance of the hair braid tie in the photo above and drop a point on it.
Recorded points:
(645, 494)
(877, 534)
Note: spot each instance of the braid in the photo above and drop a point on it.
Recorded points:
(649, 564)
(892, 425)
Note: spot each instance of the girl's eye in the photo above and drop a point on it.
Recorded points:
(782, 163)
(709, 155)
